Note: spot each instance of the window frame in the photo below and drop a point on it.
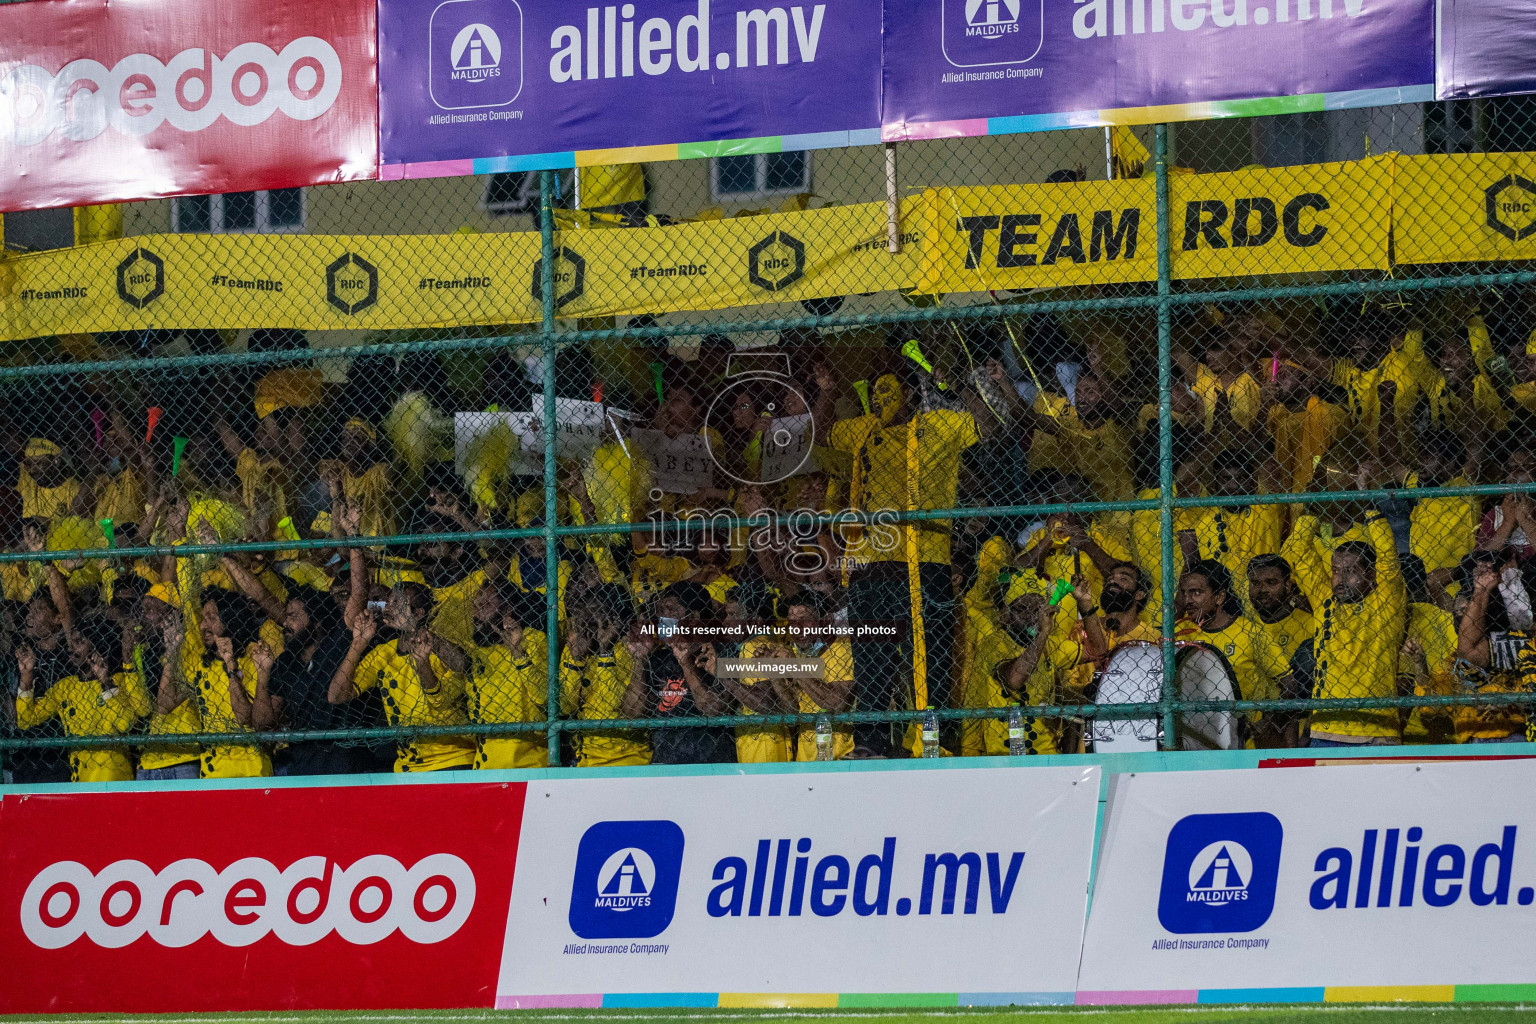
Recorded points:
(760, 179)
(263, 225)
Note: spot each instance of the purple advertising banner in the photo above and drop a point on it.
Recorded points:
(980, 67)
(477, 86)
(1487, 48)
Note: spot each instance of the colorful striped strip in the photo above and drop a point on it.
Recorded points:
(1138, 998)
(1390, 994)
(1258, 107)
(929, 1000)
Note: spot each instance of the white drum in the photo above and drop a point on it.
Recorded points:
(1133, 674)
(1203, 673)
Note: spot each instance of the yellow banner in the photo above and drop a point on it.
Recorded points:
(311, 282)
(1039, 236)
(1474, 207)
(1288, 220)
(1300, 220)
(746, 261)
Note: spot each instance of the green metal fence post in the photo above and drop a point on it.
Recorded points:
(1165, 427)
(551, 538)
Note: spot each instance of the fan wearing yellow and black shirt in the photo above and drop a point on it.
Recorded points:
(174, 710)
(1495, 659)
(1359, 609)
(419, 686)
(508, 676)
(1032, 659)
(230, 684)
(91, 702)
(1210, 613)
(596, 669)
(903, 458)
(1233, 535)
(832, 692)
(1272, 596)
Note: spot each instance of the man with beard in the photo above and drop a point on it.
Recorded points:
(315, 645)
(418, 673)
(1124, 597)
(1272, 595)
(1359, 621)
(44, 635)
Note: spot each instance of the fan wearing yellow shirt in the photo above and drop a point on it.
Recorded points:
(508, 676)
(48, 487)
(1382, 379)
(1034, 661)
(1211, 614)
(904, 459)
(361, 479)
(832, 691)
(596, 668)
(1225, 383)
(1359, 608)
(175, 712)
(1272, 596)
(1235, 534)
(1428, 658)
(1088, 436)
(1442, 531)
(420, 677)
(264, 477)
(760, 695)
(1122, 601)
(91, 702)
(1460, 397)
(1066, 545)
(231, 685)
(1307, 419)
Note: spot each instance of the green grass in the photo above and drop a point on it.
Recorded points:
(1336, 1013)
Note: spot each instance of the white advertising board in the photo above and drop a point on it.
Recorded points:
(1359, 875)
(971, 880)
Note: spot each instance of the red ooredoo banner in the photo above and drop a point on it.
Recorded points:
(139, 99)
(365, 897)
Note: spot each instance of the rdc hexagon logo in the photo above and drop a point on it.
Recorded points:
(351, 283)
(1512, 207)
(140, 278)
(570, 276)
(776, 262)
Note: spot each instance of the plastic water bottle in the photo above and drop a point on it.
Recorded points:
(1015, 731)
(930, 734)
(823, 738)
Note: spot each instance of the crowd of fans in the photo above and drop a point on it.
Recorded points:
(1332, 598)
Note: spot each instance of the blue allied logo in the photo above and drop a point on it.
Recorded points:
(626, 879)
(474, 56)
(983, 33)
(1220, 872)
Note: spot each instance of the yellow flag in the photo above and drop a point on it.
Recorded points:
(1130, 156)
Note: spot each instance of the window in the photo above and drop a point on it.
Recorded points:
(279, 209)
(1450, 126)
(761, 174)
(513, 192)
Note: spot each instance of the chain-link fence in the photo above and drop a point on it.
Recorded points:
(1202, 436)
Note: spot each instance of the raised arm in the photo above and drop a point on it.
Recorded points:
(343, 688)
